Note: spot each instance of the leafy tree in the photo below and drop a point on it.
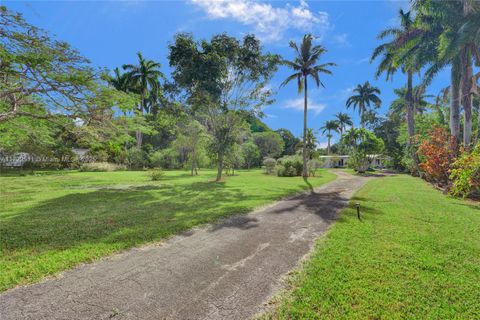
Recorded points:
(193, 140)
(234, 159)
(343, 120)
(256, 125)
(40, 76)
(251, 154)
(305, 65)
(289, 140)
(222, 79)
(364, 96)
(328, 127)
(388, 129)
(362, 144)
(269, 143)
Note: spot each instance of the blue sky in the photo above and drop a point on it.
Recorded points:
(110, 33)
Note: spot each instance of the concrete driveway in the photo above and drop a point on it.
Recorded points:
(223, 271)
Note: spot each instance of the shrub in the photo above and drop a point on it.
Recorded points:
(290, 166)
(166, 158)
(290, 172)
(269, 164)
(99, 155)
(437, 153)
(358, 161)
(101, 167)
(135, 158)
(313, 165)
(465, 174)
(156, 174)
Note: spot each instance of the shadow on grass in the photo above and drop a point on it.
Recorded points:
(124, 217)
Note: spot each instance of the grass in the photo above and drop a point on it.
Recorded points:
(51, 222)
(415, 255)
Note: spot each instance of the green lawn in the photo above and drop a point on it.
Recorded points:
(52, 222)
(415, 255)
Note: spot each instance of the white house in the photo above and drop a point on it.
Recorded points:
(377, 161)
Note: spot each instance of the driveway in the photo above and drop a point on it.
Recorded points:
(223, 271)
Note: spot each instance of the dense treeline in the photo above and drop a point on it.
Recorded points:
(208, 111)
(52, 100)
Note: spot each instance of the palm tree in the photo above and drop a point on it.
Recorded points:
(363, 98)
(408, 48)
(399, 105)
(304, 65)
(311, 142)
(343, 120)
(119, 80)
(394, 57)
(145, 78)
(458, 46)
(328, 127)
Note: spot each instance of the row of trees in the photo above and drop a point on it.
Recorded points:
(208, 113)
(208, 110)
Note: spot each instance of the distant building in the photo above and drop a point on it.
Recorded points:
(377, 161)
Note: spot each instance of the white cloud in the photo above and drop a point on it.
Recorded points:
(297, 104)
(268, 22)
(341, 40)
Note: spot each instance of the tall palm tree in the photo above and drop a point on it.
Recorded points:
(343, 120)
(145, 77)
(458, 30)
(393, 57)
(402, 51)
(305, 64)
(364, 96)
(328, 127)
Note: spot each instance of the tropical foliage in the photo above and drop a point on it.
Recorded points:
(305, 65)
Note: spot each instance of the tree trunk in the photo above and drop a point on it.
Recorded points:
(305, 172)
(126, 130)
(466, 99)
(219, 167)
(455, 101)
(411, 121)
(410, 106)
(362, 120)
(477, 139)
(138, 133)
(328, 146)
